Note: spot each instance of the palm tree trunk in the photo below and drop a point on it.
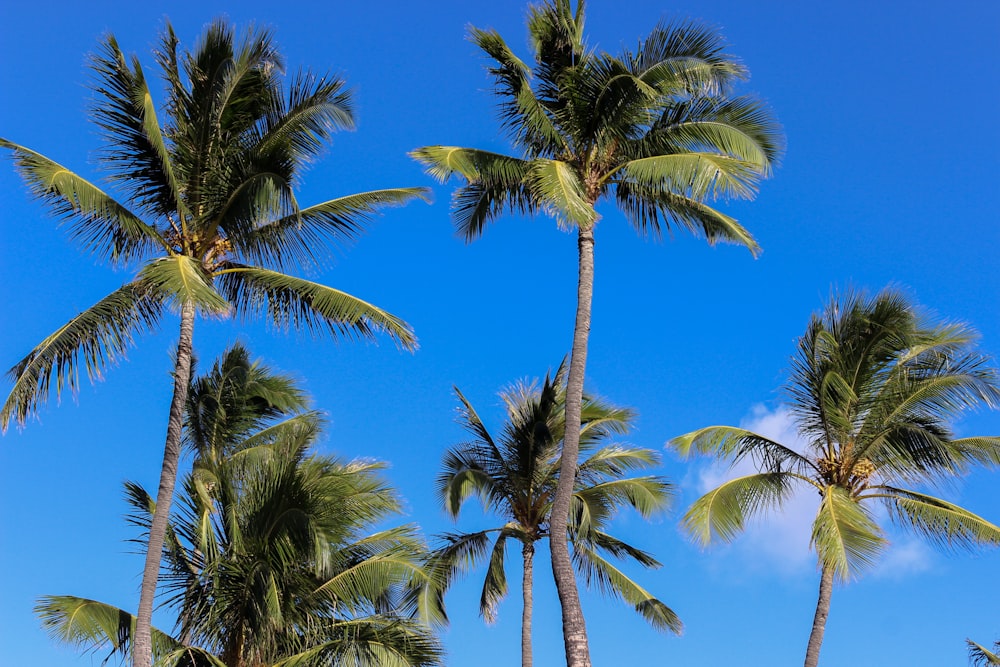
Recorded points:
(574, 626)
(142, 648)
(528, 553)
(819, 621)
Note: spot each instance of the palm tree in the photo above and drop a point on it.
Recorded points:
(515, 476)
(873, 388)
(209, 220)
(658, 131)
(270, 560)
(980, 656)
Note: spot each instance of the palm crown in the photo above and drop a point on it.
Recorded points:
(515, 474)
(657, 129)
(211, 203)
(873, 387)
(271, 559)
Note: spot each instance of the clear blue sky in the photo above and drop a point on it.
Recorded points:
(890, 177)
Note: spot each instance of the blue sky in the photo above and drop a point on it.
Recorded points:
(890, 177)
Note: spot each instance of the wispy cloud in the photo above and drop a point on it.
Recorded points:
(778, 542)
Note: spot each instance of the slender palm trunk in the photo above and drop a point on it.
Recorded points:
(528, 552)
(574, 626)
(142, 648)
(819, 621)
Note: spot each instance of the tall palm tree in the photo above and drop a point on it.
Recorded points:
(270, 560)
(207, 215)
(515, 476)
(873, 388)
(658, 131)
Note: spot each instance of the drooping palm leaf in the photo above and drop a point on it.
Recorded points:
(93, 340)
(103, 226)
(845, 535)
(612, 581)
(94, 626)
(722, 512)
(939, 521)
(295, 303)
(335, 223)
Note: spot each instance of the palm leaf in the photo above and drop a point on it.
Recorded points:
(740, 127)
(92, 626)
(941, 522)
(722, 512)
(339, 221)
(136, 150)
(384, 641)
(694, 174)
(734, 444)
(521, 113)
(844, 535)
(495, 584)
(495, 183)
(560, 192)
(295, 303)
(96, 338)
(980, 656)
(613, 581)
(651, 211)
(183, 280)
(646, 495)
(686, 55)
(102, 225)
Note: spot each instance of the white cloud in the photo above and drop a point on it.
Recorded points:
(904, 558)
(780, 541)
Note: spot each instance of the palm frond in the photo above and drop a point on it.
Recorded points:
(384, 641)
(135, 150)
(944, 524)
(290, 302)
(696, 174)
(980, 450)
(496, 184)
(733, 444)
(94, 626)
(182, 279)
(614, 461)
(722, 512)
(560, 193)
(647, 495)
(980, 656)
(653, 210)
(521, 113)
(100, 224)
(337, 222)
(612, 581)
(845, 535)
(95, 339)
(686, 57)
(495, 583)
(740, 127)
